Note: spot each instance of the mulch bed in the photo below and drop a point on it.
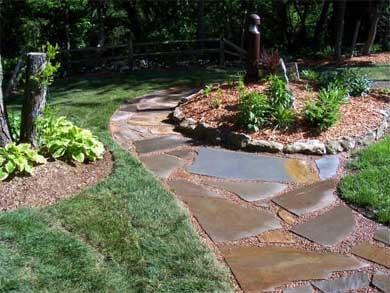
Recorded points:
(373, 59)
(358, 116)
(51, 182)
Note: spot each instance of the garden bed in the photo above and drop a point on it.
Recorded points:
(372, 59)
(51, 182)
(362, 120)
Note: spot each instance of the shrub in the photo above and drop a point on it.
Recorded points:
(16, 159)
(353, 81)
(254, 109)
(270, 62)
(62, 139)
(278, 92)
(310, 75)
(324, 112)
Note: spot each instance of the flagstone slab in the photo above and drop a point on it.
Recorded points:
(155, 102)
(276, 236)
(329, 228)
(249, 190)
(182, 154)
(328, 166)
(226, 221)
(382, 234)
(149, 118)
(302, 289)
(260, 268)
(184, 189)
(382, 282)
(246, 166)
(379, 255)
(160, 143)
(356, 281)
(308, 199)
(162, 165)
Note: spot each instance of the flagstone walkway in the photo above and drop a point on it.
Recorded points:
(275, 218)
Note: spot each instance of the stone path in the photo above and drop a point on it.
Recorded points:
(275, 219)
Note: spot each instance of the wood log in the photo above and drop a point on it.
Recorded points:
(35, 98)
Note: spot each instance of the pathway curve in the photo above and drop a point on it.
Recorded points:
(275, 218)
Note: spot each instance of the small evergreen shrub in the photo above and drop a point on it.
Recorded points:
(18, 159)
(325, 111)
(353, 81)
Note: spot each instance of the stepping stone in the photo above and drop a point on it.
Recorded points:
(382, 282)
(287, 217)
(260, 268)
(162, 165)
(379, 255)
(154, 102)
(160, 143)
(308, 199)
(149, 118)
(382, 234)
(329, 228)
(225, 221)
(249, 191)
(303, 289)
(182, 154)
(246, 166)
(276, 236)
(185, 189)
(328, 166)
(356, 281)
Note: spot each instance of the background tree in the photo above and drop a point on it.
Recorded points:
(5, 136)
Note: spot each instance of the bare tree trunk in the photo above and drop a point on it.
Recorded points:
(35, 98)
(200, 20)
(14, 77)
(5, 136)
(318, 32)
(339, 6)
(373, 26)
(355, 35)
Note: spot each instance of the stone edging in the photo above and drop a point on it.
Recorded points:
(238, 140)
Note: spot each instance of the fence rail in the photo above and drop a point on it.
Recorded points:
(127, 55)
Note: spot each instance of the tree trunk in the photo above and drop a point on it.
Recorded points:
(355, 36)
(35, 98)
(5, 136)
(318, 32)
(14, 77)
(373, 26)
(200, 20)
(67, 38)
(339, 6)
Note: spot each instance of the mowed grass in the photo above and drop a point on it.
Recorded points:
(126, 234)
(368, 181)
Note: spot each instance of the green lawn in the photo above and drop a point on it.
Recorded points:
(126, 234)
(368, 182)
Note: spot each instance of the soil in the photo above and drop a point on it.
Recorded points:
(51, 182)
(373, 59)
(357, 117)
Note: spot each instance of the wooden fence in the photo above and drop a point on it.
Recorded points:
(149, 54)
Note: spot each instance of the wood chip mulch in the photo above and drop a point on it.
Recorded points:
(358, 116)
(51, 182)
(373, 59)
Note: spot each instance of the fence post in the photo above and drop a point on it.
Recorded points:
(130, 54)
(35, 97)
(221, 52)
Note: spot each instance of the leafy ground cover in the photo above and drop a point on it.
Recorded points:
(125, 234)
(367, 184)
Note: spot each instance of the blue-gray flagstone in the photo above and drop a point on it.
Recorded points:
(328, 166)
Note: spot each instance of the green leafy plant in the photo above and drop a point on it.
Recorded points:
(278, 93)
(207, 90)
(16, 159)
(325, 111)
(310, 75)
(353, 81)
(254, 110)
(46, 76)
(62, 139)
(282, 118)
(14, 120)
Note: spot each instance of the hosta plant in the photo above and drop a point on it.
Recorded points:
(18, 159)
(62, 139)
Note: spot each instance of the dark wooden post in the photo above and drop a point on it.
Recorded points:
(5, 136)
(253, 49)
(35, 98)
